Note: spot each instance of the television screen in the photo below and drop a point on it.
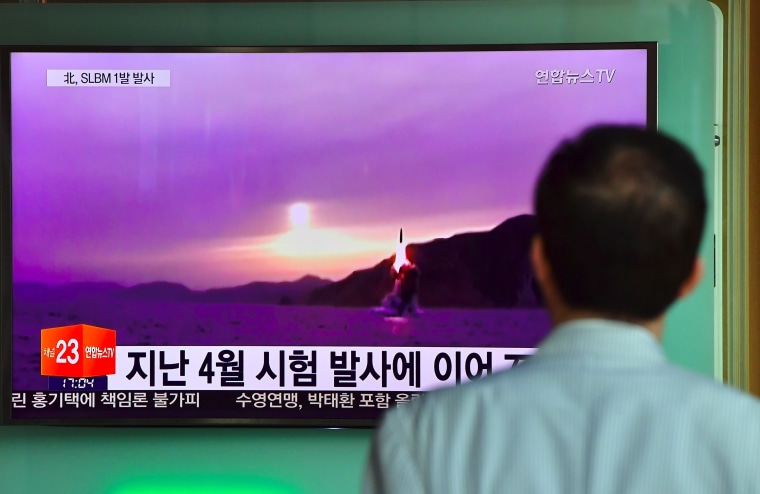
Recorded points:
(279, 236)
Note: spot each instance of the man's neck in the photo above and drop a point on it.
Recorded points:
(654, 326)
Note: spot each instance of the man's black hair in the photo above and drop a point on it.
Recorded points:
(621, 211)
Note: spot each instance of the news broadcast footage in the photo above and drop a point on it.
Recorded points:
(304, 236)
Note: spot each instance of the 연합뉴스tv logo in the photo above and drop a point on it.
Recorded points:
(78, 351)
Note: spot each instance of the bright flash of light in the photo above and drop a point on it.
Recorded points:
(300, 215)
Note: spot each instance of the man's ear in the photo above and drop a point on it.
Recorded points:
(538, 260)
(691, 282)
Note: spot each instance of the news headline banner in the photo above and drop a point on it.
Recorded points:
(304, 368)
(108, 78)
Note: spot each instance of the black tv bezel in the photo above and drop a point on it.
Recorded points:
(6, 243)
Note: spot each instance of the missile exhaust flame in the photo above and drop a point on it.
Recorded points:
(400, 251)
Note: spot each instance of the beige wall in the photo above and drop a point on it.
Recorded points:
(753, 183)
(754, 199)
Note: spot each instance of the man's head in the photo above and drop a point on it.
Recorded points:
(620, 214)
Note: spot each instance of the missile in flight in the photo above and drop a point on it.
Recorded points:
(401, 235)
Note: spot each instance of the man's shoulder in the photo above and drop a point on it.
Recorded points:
(711, 397)
(704, 399)
(443, 406)
(537, 409)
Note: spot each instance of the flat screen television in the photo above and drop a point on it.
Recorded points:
(278, 236)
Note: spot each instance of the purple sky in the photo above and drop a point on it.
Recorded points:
(193, 183)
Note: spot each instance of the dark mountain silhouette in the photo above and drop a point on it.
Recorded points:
(286, 292)
(160, 291)
(469, 270)
(40, 292)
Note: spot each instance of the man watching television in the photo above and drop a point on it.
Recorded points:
(598, 409)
